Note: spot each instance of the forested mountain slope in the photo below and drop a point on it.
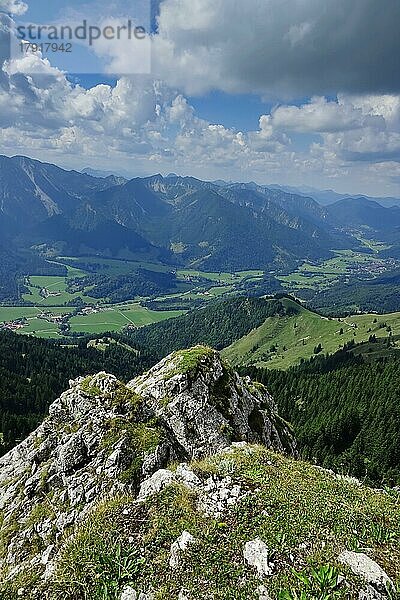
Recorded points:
(345, 412)
(33, 372)
(200, 222)
(217, 325)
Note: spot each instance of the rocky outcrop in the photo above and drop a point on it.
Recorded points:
(103, 438)
(206, 405)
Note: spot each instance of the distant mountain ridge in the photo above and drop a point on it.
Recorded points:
(362, 212)
(180, 220)
(327, 197)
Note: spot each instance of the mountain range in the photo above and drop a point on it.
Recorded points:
(327, 197)
(178, 220)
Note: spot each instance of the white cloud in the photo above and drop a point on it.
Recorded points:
(14, 7)
(387, 106)
(143, 125)
(322, 116)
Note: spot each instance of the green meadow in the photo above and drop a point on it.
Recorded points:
(281, 342)
(115, 318)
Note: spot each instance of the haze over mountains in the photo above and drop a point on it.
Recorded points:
(327, 197)
(180, 220)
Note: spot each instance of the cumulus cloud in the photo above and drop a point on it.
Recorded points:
(322, 116)
(145, 124)
(14, 7)
(291, 48)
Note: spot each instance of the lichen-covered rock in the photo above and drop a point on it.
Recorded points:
(103, 438)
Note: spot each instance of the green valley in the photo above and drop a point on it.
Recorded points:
(57, 305)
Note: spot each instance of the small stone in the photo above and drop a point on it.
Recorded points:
(179, 547)
(363, 566)
(256, 555)
(128, 593)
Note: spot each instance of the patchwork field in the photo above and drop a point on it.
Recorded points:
(37, 321)
(115, 318)
(319, 277)
(52, 291)
(50, 294)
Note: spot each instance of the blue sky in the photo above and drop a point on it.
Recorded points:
(239, 111)
(286, 91)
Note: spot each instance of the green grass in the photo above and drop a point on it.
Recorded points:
(10, 313)
(54, 285)
(227, 278)
(40, 328)
(185, 361)
(305, 516)
(374, 245)
(35, 326)
(115, 318)
(296, 336)
(321, 276)
(118, 267)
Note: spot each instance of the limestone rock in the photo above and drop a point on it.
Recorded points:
(129, 593)
(363, 566)
(45, 558)
(157, 482)
(369, 593)
(256, 554)
(219, 494)
(190, 405)
(207, 406)
(179, 547)
(186, 476)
